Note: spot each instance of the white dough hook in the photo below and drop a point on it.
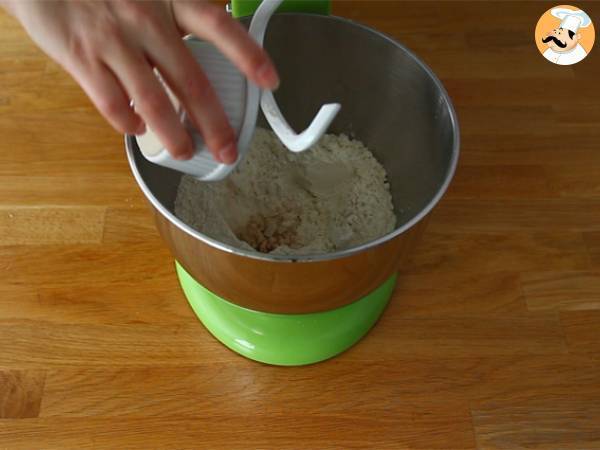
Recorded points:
(240, 99)
(296, 142)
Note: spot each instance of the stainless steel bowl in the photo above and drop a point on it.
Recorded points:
(392, 102)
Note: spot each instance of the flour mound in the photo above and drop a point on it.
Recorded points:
(331, 197)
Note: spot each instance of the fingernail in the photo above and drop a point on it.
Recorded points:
(185, 154)
(228, 155)
(268, 76)
(141, 129)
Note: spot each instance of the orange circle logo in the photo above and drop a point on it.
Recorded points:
(564, 35)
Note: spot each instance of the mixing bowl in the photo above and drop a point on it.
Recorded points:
(298, 310)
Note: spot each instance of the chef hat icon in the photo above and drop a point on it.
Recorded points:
(571, 19)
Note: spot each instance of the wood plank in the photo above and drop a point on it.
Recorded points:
(472, 252)
(551, 425)
(377, 389)
(417, 430)
(460, 337)
(454, 294)
(92, 150)
(523, 119)
(22, 64)
(502, 182)
(493, 40)
(427, 40)
(51, 225)
(446, 16)
(192, 391)
(592, 241)
(84, 264)
(516, 214)
(158, 300)
(84, 189)
(21, 393)
(26, 344)
(515, 93)
(67, 168)
(45, 134)
(14, 300)
(544, 124)
(587, 72)
(510, 148)
(48, 90)
(132, 224)
(575, 180)
(503, 382)
(583, 115)
(581, 330)
(561, 291)
(475, 65)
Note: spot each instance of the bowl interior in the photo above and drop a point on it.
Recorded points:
(390, 101)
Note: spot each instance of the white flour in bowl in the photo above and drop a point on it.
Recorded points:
(331, 197)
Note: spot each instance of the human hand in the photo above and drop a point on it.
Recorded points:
(110, 47)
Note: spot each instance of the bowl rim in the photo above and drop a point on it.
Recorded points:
(129, 147)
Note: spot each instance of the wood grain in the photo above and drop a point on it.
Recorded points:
(491, 340)
(502, 182)
(548, 426)
(495, 294)
(46, 225)
(129, 225)
(576, 181)
(83, 264)
(461, 337)
(73, 190)
(499, 251)
(21, 393)
(558, 291)
(340, 387)
(237, 431)
(578, 214)
(581, 330)
(513, 149)
(592, 241)
(150, 301)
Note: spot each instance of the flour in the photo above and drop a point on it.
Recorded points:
(332, 197)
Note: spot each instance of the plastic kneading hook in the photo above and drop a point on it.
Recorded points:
(293, 141)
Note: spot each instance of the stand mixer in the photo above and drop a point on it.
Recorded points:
(286, 310)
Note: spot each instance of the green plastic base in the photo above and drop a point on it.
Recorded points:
(285, 339)
(241, 8)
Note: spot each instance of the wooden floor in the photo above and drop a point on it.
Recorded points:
(492, 339)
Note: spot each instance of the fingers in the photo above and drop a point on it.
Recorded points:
(185, 77)
(212, 23)
(150, 99)
(126, 73)
(108, 96)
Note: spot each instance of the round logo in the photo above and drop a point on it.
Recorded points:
(564, 35)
